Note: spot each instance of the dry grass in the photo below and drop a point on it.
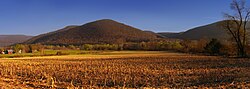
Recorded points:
(159, 69)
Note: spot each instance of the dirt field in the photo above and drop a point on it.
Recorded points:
(125, 70)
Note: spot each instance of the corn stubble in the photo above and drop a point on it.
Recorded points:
(166, 71)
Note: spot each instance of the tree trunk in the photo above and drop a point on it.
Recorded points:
(242, 52)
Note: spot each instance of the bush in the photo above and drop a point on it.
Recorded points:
(228, 50)
(61, 53)
(87, 47)
(213, 47)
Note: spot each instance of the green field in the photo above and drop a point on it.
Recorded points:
(124, 69)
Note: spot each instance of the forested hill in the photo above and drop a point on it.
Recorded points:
(209, 31)
(6, 40)
(97, 32)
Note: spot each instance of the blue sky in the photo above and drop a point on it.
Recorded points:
(33, 17)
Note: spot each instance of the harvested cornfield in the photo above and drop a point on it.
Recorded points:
(142, 70)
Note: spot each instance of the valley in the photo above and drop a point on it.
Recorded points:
(124, 44)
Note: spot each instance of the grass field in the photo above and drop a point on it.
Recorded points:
(125, 69)
(71, 52)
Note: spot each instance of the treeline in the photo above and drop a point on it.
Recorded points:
(208, 47)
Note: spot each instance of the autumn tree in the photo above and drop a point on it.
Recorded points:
(18, 47)
(35, 48)
(213, 47)
(236, 24)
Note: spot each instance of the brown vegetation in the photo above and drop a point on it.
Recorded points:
(202, 46)
(162, 70)
(6, 40)
(236, 25)
(97, 32)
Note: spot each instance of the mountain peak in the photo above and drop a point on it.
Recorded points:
(104, 21)
(97, 32)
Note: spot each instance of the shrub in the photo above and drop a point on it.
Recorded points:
(87, 47)
(213, 47)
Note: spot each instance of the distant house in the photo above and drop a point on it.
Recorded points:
(10, 51)
(2, 52)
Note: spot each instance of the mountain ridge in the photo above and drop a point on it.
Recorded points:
(209, 31)
(96, 32)
(6, 40)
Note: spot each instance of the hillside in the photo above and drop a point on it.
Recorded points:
(6, 40)
(97, 32)
(169, 34)
(209, 31)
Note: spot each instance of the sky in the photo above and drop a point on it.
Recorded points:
(34, 17)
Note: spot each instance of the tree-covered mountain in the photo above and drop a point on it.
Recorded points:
(6, 40)
(209, 31)
(97, 32)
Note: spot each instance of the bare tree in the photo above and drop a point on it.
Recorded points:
(236, 24)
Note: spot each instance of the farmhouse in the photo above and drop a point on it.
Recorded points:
(10, 51)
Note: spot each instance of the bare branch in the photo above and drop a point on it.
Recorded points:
(230, 17)
(236, 24)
